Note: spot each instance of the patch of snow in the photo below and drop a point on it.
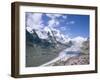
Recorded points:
(29, 29)
(42, 34)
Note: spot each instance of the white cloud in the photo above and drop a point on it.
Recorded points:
(51, 22)
(67, 23)
(70, 22)
(65, 17)
(34, 20)
(63, 28)
(53, 15)
(37, 18)
(57, 22)
(54, 22)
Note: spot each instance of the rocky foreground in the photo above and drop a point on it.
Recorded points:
(79, 60)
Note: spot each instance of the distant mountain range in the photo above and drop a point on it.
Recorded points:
(48, 36)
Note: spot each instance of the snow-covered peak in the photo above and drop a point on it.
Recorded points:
(78, 41)
(57, 34)
(42, 34)
(29, 29)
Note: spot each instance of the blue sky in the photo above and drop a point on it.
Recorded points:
(68, 24)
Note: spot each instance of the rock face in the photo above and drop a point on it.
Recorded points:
(85, 47)
(80, 60)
